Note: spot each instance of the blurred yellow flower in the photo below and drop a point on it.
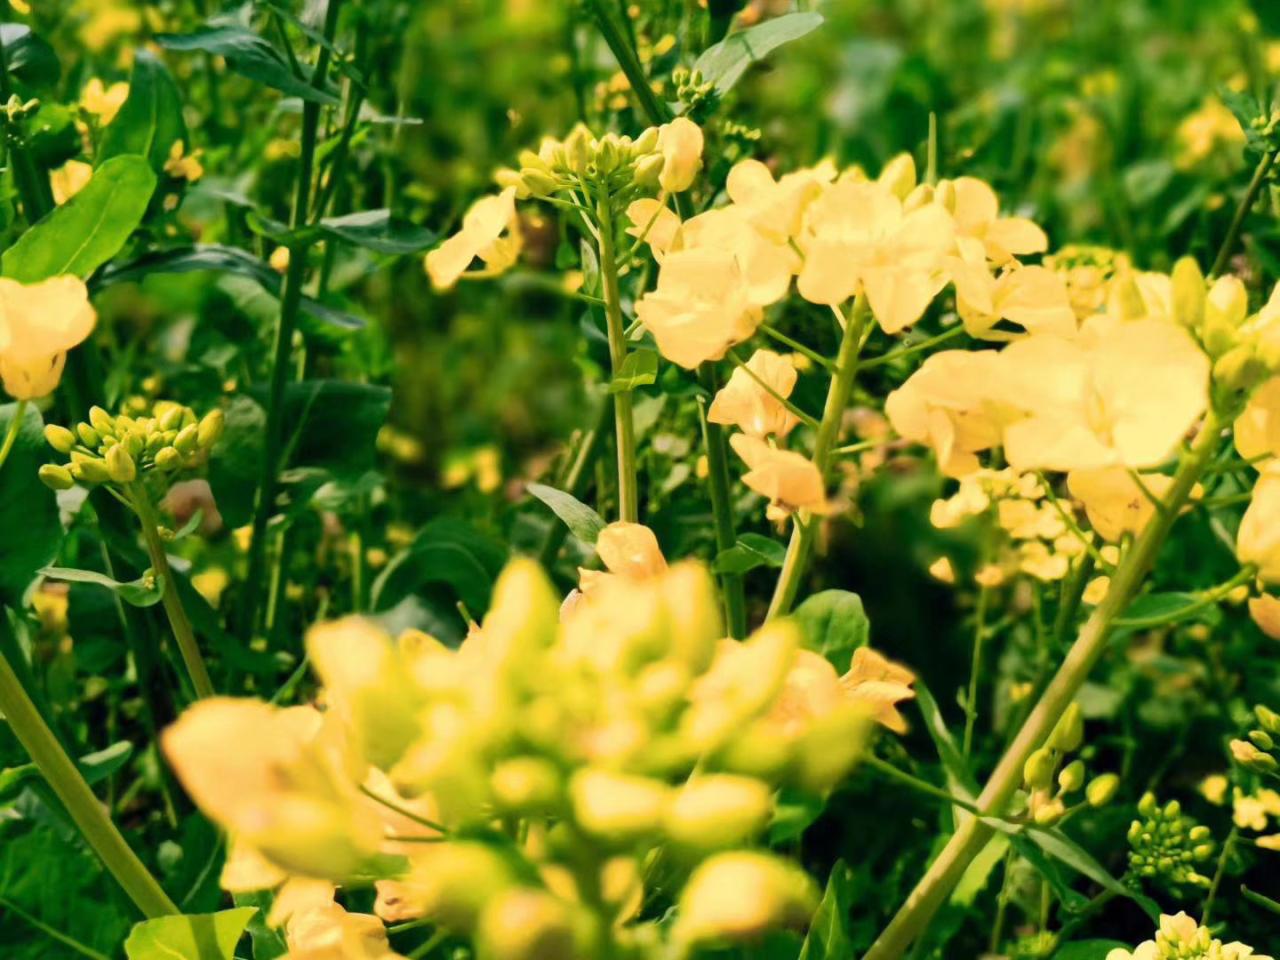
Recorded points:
(655, 223)
(490, 231)
(975, 209)
(627, 550)
(680, 143)
(39, 323)
(1116, 505)
(102, 101)
(1257, 429)
(69, 179)
(787, 479)
(182, 165)
(1265, 611)
(1258, 539)
(743, 401)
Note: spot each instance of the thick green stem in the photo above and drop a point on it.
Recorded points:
(945, 872)
(731, 586)
(624, 421)
(290, 303)
(172, 603)
(805, 526)
(74, 793)
(655, 109)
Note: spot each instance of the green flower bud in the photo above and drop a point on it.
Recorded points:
(89, 436)
(737, 896)
(1269, 719)
(1261, 739)
(1102, 789)
(646, 143)
(1069, 733)
(617, 806)
(120, 465)
(717, 811)
(59, 437)
(167, 459)
(90, 470)
(1188, 293)
(101, 421)
(525, 785)
(529, 924)
(1148, 805)
(1037, 772)
(187, 439)
(170, 418)
(211, 428)
(648, 169)
(1071, 778)
(56, 477)
(1048, 813)
(537, 182)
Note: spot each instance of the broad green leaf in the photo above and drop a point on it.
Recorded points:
(751, 551)
(724, 63)
(236, 461)
(248, 55)
(639, 369)
(976, 876)
(150, 121)
(834, 625)
(1088, 949)
(87, 230)
(216, 258)
(447, 552)
(30, 531)
(583, 522)
(199, 936)
(1062, 848)
(828, 937)
(94, 767)
(143, 592)
(31, 59)
(379, 230)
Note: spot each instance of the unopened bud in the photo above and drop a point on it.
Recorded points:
(56, 477)
(1188, 293)
(120, 465)
(210, 429)
(59, 437)
(1102, 789)
(101, 421)
(1269, 719)
(717, 811)
(737, 896)
(89, 436)
(1071, 778)
(525, 785)
(1069, 733)
(167, 459)
(187, 439)
(1037, 772)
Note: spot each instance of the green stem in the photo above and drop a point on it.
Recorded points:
(290, 303)
(653, 106)
(915, 783)
(575, 480)
(798, 347)
(11, 435)
(802, 535)
(624, 421)
(1227, 846)
(945, 337)
(81, 804)
(713, 438)
(173, 607)
(945, 871)
(1242, 211)
(975, 670)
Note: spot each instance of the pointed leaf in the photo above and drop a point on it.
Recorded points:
(199, 936)
(583, 522)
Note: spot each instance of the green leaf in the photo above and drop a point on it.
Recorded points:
(30, 532)
(828, 937)
(379, 230)
(724, 63)
(150, 121)
(248, 55)
(31, 59)
(751, 551)
(1062, 848)
(639, 369)
(87, 230)
(142, 592)
(959, 779)
(976, 876)
(200, 936)
(583, 522)
(834, 624)
(1088, 950)
(216, 258)
(447, 552)
(94, 767)
(793, 814)
(267, 942)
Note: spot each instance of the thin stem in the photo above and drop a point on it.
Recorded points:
(653, 106)
(798, 347)
(173, 608)
(975, 669)
(290, 303)
(1228, 845)
(973, 834)
(11, 435)
(713, 438)
(915, 783)
(81, 804)
(945, 337)
(403, 811)
(624, 421)
(802, 535)
(1242, 211)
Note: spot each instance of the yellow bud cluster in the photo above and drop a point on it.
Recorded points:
(1049, 777)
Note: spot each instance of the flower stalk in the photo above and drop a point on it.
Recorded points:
(78, 799)
(624, 421)
(974, 832)
(11, 435)
(197, 671)
(805, 526)
(731, 586)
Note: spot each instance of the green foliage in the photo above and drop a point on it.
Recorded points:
(28, 509)
(206, 936)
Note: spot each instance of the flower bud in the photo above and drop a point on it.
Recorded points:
(171, 418)
(528, 924)
(1148, 805)
(1102, 789)
(646, 143)
(1071, 778)
(1037, 772)
(56, 477)
(537, 182)
(1049, 812)
(88, 436)
(210, 429)
(101, 421)
(524, 785)
(120, 465)
(167, 459)
(59, 437)
(90, 470)
(1188, 293)
(648, 169)
(1261, 739)
(187, 439)
(617, 806)
(1269, 719)
(1069, 733)
(716, 811)
(739, 896)
(899, 175)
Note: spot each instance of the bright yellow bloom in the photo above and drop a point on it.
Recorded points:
(767, 263)
(701, 306)
(743, 402)
(1034, 298)
(680, 143)
(655, 222)
(1258, 539)
(490, 231)
(69, 179)
(102, 101)
(1180, 936)
(975, 209)
(879, 685)
(627, 550)
(859, 237)
(787, 479)
(182, 165)
(1116, 505)
(776, 208)
(39, 323)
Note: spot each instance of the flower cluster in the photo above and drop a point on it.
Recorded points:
(1166, 843)
(167, 439)
(516, 790)
(1049, 778)
(1181, 938)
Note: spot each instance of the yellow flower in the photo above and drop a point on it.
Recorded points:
(787, 479)
(655, 222)
(767, 263)
(490, 231)
(1258, 539)
(1035, 298)
(1089, 405)
(680, 143)
(743, 402)
(1214, 789)
(1096, 590)
(102, 101)
(329, 932)
(1209, 136)
(182, 165)
(279, 260)
(975, 209)
(1265, 611)
(775, 208)
(700, 308)
(1113, 500)
(942, 570)
(879, 685)
(1257, 429)
(278, 780)
(69, 179)
(737, 896)
(1248, 812)
(39, 323)
(859, 237)
(627, 550)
